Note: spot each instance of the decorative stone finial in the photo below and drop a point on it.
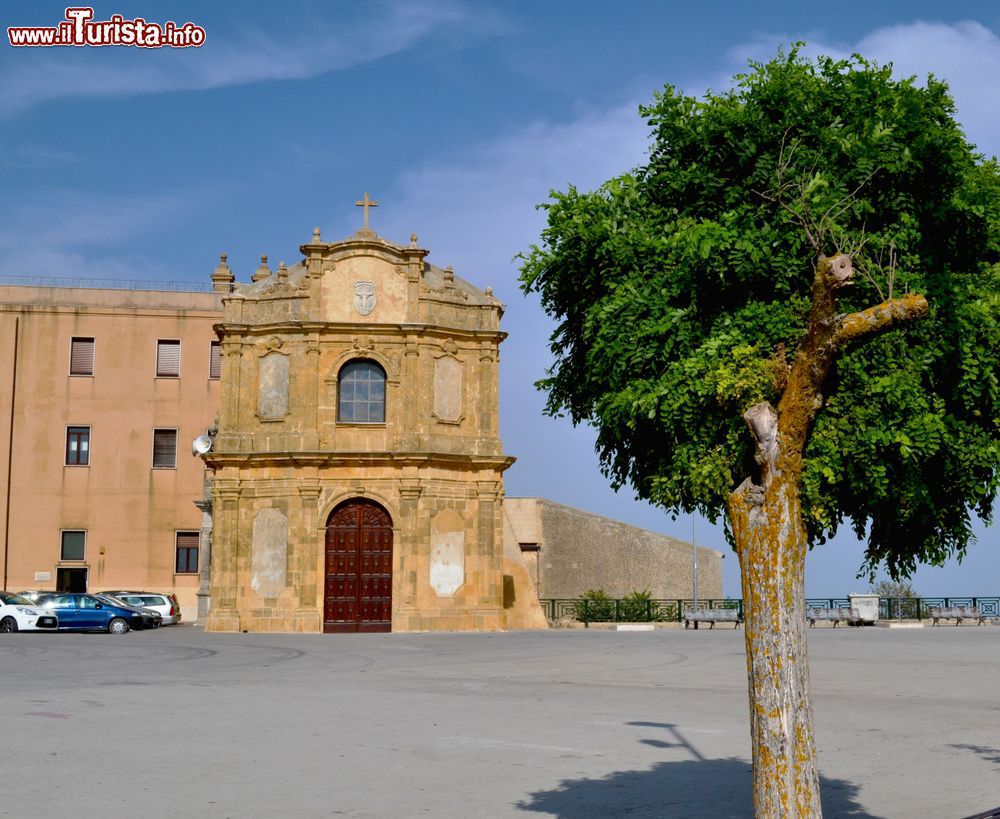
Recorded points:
(261, 272)
(489, 292)
(222, 276)
(315, 235)
(449, 274)
(282, 272)
(413, 240)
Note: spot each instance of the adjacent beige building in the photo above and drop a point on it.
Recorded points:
(101, 392)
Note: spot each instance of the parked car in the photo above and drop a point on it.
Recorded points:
(88, 612)
(163, 602)
(32, 595)
(150, 618)
(20, 614)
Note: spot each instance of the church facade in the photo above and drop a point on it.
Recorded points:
(357, 469)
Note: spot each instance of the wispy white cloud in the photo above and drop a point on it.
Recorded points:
(75, 234)
(965, 54)
(480, 205)
(31, 79)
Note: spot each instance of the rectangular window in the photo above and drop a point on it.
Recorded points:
(81, 356)
(168, 358)
(215, 361)
(164, 448)
(73, 545)
(187, 553)
(78, 446)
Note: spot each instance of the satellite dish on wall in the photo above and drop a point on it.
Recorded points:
(201, 445)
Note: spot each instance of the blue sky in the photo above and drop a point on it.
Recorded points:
(457, 117)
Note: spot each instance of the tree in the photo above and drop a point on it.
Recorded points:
(895, 590)
(811, 256)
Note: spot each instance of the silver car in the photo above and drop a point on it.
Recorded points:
(165, 604)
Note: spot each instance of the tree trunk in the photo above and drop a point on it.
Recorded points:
(771, 543)
(770, 538)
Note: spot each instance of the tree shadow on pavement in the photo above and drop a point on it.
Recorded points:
(987, 753)
(698, 788)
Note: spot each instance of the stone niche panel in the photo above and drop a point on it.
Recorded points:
(272, 392)
(270, 553)
(349, 284)
(448, 377)
(447, 565)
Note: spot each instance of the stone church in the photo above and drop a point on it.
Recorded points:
(356, 466)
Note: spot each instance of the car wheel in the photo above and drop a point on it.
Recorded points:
(117, 626)
(8, 625)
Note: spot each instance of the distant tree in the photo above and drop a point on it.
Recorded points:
(895, 589)
(812, 256)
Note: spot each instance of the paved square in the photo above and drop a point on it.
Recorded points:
(591, 723)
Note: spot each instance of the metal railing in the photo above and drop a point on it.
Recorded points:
(631, 611)
(626, 610)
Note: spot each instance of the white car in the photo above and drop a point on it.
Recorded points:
(20, 614)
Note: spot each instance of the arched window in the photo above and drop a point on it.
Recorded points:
(361, 393)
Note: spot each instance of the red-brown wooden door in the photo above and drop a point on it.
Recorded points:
(358, 592)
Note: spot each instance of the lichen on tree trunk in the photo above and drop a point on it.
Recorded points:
(772, 552)
(765, 515)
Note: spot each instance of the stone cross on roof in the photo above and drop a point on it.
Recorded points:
(366, 203)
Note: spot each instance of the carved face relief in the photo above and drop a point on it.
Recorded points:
(364, 297)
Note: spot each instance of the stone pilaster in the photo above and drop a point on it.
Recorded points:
(490, 552)
(488, 391)
(225, 505)
(409, 494)
(204, 593)
(306, 557)
(310, 392)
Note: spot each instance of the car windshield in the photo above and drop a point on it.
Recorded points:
(15, 599)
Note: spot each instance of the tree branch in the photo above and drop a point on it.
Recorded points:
(879, 318)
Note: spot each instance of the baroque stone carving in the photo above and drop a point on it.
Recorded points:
(364, 297)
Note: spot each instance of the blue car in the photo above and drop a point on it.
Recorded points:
(87, 612)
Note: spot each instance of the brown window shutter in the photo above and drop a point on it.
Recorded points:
(81, 356)
(187, 540)
(215, 361)
(165, 448)
(168, 359)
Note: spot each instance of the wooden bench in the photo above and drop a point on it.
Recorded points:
(836, 616)
(713, 616)
(956, 613)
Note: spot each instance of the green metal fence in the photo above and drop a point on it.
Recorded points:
(631, 611)
(673, 611)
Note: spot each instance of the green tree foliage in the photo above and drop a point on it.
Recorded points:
(682, 291)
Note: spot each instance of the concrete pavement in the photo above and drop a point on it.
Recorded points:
(566, 723)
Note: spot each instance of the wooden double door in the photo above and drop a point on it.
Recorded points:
(358, 588)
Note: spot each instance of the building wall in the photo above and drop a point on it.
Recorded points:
(578, 551)
(129, 510)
